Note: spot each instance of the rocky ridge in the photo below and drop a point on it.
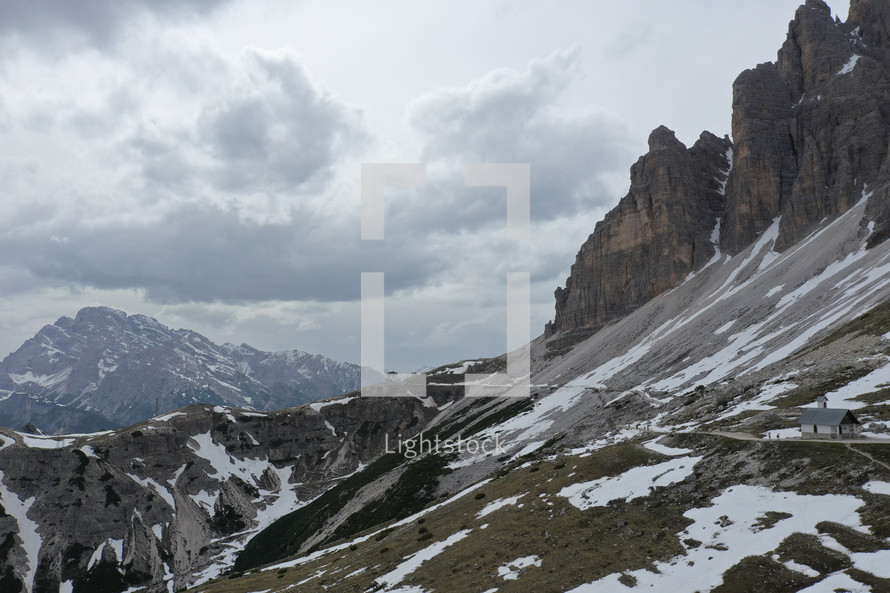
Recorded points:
(665, 228)
(107, 365)
(809, 135)
(169, 500)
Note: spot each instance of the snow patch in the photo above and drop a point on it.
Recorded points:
(31, 540)
(160, 490)
(41, 442)
(169, 416)
(205, 500)
(848, 67)
(837, 581)
(45, 381)
(413, 561)
(729, 531)
(461, 368)
(877, 563)
(876, 487)
(499, 504)
(759, 402)
(331, 428)
(634, 483)
(317, 406)
(783, 433)
(801, 568)
(511, 570)
(665, 450)
(774, 291)
(874, 381)
(224, 466)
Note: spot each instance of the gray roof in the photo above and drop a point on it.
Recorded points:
(827, 416)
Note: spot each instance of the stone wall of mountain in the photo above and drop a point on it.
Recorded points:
(154, 504)
(662, 230)
(810, 136)
(127, 368)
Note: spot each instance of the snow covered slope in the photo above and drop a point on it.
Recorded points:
(738, 316)
(128, 368)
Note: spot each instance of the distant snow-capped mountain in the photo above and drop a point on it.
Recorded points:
(107, 365)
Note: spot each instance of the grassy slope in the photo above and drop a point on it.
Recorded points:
(581, 546)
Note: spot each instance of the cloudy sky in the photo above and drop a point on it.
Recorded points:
(200, 162)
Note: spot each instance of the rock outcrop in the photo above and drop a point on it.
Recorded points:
(810, 139)
(152, 504)
(663, 229)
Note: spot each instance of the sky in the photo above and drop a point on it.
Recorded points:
(200, 162)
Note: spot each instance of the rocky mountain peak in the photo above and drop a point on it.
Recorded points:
(662, 230)
(872, 18)
(124, 368)
(815, 49)
(810, 137)
(100, 314)
(663, 138)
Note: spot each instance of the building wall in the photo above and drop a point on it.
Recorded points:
(821, 431)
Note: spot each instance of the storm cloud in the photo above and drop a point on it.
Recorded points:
(517, 116)
(57, 25)
(201, 161)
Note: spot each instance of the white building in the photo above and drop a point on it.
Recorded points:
(823, 422)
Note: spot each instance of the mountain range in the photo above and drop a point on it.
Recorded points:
(106, 369)
(737, 281)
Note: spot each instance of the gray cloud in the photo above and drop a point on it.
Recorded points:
(278, 130)
(629, 39)
(207, 254)
(237, 207)
(52, 25)
(512, 116)
(145, 162)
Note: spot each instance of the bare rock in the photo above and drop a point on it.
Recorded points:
(659, 233)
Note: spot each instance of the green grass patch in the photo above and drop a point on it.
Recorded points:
(876, 514)
(769, 520)
(757, 574)
(285, 536)
(805, 548)
(878, 585)
(413, 490)
(880, 452)
(874, 397)
(853, 540)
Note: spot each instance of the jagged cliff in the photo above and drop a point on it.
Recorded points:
(810, 135)
(662, 230)
(106, 369)
(153, 504)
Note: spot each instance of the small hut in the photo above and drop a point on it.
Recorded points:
(823, 422)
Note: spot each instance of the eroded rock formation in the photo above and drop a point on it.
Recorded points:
(810, 139)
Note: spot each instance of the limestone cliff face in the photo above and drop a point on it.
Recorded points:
(810, 138)
(151, 505)
(764, 165)
(663, 229)
(811, 130)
